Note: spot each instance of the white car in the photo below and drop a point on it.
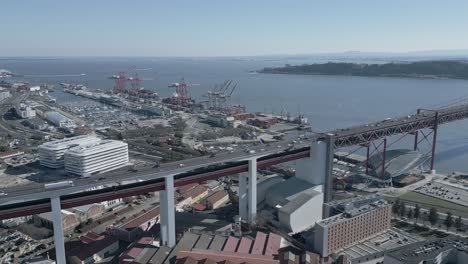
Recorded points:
(2, 193)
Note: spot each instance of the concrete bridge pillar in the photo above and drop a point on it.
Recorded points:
(252, 194)
(58, 230)
(248, 193)
(318, 168)
(167, 213)
(242, 195)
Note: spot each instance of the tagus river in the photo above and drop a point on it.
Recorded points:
(328, 101)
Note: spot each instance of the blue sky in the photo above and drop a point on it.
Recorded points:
(229, 27)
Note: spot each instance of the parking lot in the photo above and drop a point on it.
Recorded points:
(444, 191)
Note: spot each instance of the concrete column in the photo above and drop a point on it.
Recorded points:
(163, 216)
(243, 196)
(58, 231)
(167, 222)
(252, 193)
(328, 188)
(318, 168)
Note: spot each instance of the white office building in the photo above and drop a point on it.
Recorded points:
(51, 154)
(99, 157)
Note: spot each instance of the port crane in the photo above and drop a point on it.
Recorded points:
(218, 98)
(181, 95)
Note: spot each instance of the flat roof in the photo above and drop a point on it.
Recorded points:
(69, 142)
(391, 239)
(94, 147)
(428, 250)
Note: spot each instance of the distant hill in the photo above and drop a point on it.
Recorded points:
(421, 69)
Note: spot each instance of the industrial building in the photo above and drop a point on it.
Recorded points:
(446, 250)
(132, 228)
(220, 120)
(102, 156)
(217, 199)
(298, 202)
(4, 94)
(361, 218)
(69, 221)
(51, 154)
(59, 120)
(91, 248)
(25, 111)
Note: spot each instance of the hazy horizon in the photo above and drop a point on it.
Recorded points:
(228, 29)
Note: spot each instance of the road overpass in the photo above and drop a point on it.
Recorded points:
(317, 150)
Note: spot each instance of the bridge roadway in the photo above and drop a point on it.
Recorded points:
(401, 125)
(280, 152)
(194, 170)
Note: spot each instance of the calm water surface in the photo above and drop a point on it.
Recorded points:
(328, 101)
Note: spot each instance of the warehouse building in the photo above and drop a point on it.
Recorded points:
(51, 153)
(298, 202)
(4, 94)
(69, 221)
(217, 199)
(25, 111)
(59, 120)
(102, 156)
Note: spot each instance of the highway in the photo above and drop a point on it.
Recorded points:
(342, 137)
(37, 191)
(400, 125)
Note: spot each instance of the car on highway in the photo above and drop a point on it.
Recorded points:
(2, 193)
(181, 165)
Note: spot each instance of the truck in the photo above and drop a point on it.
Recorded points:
(56, 185)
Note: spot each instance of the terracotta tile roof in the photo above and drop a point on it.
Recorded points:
(231, 244)
(199, 207)
(245, 245)
(141, 219)
(187, 187)
(84, 251)
(90, 237)
(273, 244)
(136, 248)
(216, 196)
(259, 243)
(195, 191)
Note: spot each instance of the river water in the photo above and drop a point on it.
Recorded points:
(328, 101)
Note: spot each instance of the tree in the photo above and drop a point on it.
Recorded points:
(396, 207)
(402, 210)
(410, 214)
(459, 223)
(448, 222)
(417, 212)
(433, 216)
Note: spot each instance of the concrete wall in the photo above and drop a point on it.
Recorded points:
(321, 240)
(304, 217)
(264, 185)
(313, 169)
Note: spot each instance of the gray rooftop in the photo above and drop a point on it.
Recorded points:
(428, 250)
(297, 202)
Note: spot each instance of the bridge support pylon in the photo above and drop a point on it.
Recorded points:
(243, 195)
(167, 213)
(252, 194)
(248, 193)
(58, 230)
